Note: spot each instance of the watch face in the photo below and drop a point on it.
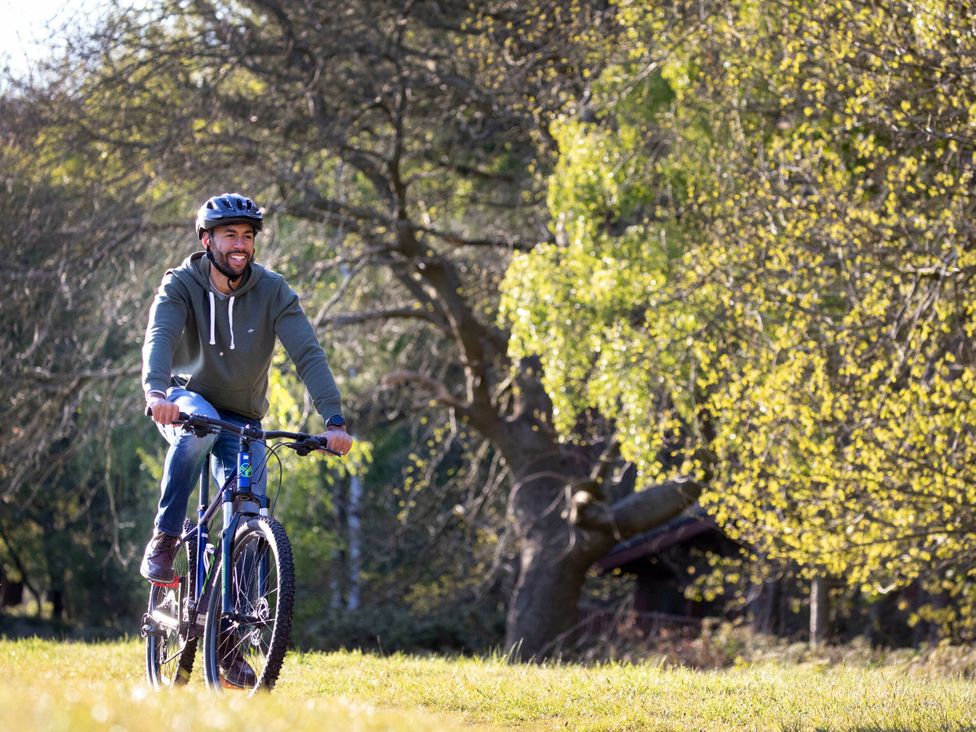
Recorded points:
(335, 420)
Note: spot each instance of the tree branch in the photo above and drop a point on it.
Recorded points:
(437, 389)
(461, 241)
(46, 376)
(343, 319)
(638, 511)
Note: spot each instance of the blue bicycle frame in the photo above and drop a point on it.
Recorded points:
(182, 613)
(236, 487)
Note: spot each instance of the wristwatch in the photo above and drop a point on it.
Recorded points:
(336, 420)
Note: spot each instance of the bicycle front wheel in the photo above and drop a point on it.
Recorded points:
(244, 648)
(170, 642)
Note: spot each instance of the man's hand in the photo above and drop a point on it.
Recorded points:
(337, 439)
(162, 411)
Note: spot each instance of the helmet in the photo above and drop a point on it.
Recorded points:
(228, 208)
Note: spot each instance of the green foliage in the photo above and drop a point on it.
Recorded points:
(795, 294)
(75, 499)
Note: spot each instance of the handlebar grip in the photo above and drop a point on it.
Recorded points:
(323, 445)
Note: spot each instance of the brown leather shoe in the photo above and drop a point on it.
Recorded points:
(157, 562)
(237, 672)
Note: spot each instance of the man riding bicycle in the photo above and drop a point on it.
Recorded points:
(208, 349)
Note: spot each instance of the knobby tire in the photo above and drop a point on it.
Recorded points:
(262, 626)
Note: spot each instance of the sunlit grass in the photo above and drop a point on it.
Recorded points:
(47, 685)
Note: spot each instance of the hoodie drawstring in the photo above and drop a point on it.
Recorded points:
(230, 320)
(213, 317)
(213, 310)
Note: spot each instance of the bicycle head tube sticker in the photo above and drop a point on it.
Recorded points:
(244, 470)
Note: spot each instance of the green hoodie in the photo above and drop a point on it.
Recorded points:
(221, 347)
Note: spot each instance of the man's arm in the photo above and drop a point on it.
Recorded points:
(167, 319)
(298, 337)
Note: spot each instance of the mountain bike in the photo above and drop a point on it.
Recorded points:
(239, 601)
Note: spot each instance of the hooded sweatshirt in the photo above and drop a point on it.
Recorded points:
(221, 346)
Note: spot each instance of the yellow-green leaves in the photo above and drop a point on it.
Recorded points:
(776, 264)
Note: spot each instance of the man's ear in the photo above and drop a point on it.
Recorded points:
(205, 239)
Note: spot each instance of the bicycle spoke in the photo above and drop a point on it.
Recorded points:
(246, 646)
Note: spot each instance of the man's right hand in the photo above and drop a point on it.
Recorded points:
(162, 411)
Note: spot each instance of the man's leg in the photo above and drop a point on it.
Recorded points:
(184, 460)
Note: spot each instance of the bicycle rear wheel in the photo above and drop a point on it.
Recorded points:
(170, 646)
(244, 649)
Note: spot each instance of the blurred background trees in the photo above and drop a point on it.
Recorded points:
(570, 262)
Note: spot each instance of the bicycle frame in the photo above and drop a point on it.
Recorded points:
(206, 510)
(236, 487)
(264, 558)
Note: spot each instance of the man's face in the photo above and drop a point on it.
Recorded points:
(232, 246)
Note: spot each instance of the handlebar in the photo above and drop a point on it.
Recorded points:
(303, 443)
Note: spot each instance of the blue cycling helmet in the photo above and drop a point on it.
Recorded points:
(228, 208)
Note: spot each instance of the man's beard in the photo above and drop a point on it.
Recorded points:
(224, 265)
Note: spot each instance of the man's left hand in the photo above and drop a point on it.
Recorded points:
(338, 440)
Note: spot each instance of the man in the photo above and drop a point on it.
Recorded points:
(208, 349)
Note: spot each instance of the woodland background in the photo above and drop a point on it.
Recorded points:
(577, 266)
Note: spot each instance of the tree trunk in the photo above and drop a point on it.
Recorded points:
(564, 524)
(552, 568)
(819, 610)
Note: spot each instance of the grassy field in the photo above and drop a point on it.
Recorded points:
(46, 685)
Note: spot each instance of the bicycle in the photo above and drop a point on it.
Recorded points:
(239, 601)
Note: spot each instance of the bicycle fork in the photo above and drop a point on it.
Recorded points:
(231, 522)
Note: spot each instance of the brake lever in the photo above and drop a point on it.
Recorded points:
(189, 424)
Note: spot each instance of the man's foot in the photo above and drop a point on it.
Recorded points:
(157, 562)
(237, 672)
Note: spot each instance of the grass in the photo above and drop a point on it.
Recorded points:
(46, 685)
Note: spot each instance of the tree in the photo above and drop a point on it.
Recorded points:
(802, 258)
(417, 134)
(71, 483)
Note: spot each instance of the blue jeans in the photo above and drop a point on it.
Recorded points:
(184, 460)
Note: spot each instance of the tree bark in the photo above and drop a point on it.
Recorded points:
(552, 567)
(819, 610)
(564, 525)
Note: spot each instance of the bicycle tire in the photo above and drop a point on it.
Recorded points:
(259, 627)
(170, 646)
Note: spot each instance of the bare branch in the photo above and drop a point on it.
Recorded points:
(438, 390)
(461, 241)
(47, 376)
(343, 319)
